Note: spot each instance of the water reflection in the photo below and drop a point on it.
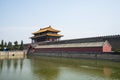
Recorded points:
(43, 70)
(9, 68)
(76, 69)
(107, 72)
(49, 68)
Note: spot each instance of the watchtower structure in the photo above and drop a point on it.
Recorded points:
(47, 34)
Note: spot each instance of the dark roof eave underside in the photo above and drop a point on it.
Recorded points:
(45, 36)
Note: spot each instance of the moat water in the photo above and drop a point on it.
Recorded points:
(49, 68)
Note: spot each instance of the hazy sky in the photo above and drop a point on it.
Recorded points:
(75, 18)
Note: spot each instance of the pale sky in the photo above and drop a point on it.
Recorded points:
(75, 18)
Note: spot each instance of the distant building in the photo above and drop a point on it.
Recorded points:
(47, 34)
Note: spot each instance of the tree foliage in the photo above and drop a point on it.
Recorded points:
(2, 45)
(21, 45)
(117, 50)
(5, 45)
(9, 47)
(16, 46)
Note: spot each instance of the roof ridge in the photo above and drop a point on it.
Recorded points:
(46, 27)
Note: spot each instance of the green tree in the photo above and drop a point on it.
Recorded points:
(5, 44)
(16, 46)
(117, 50)
(10, 47)
(2, 45)
(21, 45)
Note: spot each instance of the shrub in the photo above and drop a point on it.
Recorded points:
(117, 50)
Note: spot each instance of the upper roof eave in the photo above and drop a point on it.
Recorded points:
(46, 29)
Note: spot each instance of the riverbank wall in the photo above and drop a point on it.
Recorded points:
(12, 53)
(82, 55)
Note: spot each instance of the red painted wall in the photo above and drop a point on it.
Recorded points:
(77, 49)
(107, 48)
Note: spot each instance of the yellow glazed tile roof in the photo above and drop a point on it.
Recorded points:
(46, 29)
(54, 35)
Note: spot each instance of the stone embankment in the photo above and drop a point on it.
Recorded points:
(102, 56)
(12, 53)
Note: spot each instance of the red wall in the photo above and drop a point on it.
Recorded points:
(77, 49)
(107, 48)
